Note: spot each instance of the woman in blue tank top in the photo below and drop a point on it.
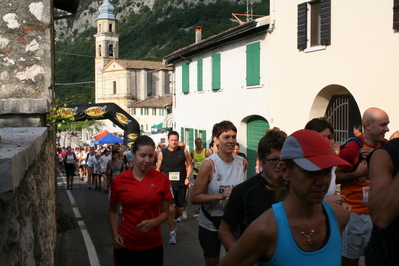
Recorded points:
(302, 229)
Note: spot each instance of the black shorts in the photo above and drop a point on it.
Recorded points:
(209, 242)
(149, 257)
(179, 195)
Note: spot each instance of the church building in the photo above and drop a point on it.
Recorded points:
(126, 82)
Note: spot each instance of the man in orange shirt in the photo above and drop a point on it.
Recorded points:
(355, 183)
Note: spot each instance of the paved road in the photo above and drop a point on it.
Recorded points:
(86, 239)
(86, 222)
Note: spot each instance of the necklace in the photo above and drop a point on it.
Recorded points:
(268, 186)
(308, 237)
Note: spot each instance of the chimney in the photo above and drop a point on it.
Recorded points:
(198, 33)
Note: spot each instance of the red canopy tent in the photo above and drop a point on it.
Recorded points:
(101, 135)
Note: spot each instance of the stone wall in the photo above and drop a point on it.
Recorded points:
(26, 49)
(27, 145)
(28, 203)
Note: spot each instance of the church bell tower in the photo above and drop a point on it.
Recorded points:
(107, 44)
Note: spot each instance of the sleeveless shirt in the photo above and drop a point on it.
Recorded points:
(70, 159)
(115, 170)
(199, 158)
(224, 175)
(287, 251)
(383, 245)
(174, 165)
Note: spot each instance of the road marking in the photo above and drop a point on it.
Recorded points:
(89, 244)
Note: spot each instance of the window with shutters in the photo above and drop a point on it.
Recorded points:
(185, 78)
(253, 64)
(216, 72)
(199, 75)
(396, 15)
(314, 25)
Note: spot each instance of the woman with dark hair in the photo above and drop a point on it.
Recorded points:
(144, 195)
(326, 129)
(302, 229)
(218, 175)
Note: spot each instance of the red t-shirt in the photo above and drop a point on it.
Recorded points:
(140, 200)
(355, 191)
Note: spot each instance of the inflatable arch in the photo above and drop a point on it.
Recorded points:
(100, 111)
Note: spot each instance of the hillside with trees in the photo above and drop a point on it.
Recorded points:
(149, 34)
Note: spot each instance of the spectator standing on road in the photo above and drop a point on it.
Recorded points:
(355, 183)
(384, 205)
(70, 166)
(253, 197)
(175, 162)
(104, 159)
(302, 229)
(144, 195)
(218, 175)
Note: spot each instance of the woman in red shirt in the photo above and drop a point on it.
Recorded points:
(144, 195)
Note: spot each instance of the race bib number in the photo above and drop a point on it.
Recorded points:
(366, 191)
(70, 161)
(174, 176)
(115, 173)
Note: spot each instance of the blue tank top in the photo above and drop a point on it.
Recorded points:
(287, 251)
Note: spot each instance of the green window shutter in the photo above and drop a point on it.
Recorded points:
(253, 64)
(190, 140)
(203, 135)
(216, 72)
(199, 75)
(182, 134)
(196, 133)
(141, 111)
(185, 77)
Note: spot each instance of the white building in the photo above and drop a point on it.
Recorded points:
(306, 59)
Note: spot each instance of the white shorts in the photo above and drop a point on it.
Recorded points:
(356, 235)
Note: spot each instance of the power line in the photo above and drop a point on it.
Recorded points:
(87, 82)
(75, 54)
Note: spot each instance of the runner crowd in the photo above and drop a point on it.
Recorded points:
(312, 202)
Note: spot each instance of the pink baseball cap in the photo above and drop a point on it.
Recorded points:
(310, 150)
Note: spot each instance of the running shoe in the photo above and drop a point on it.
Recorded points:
(184, 215)
(172, 239)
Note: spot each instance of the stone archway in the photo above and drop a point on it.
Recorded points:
(338, 105)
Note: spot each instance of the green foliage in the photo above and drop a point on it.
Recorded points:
(72, 68)
(148, 35)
